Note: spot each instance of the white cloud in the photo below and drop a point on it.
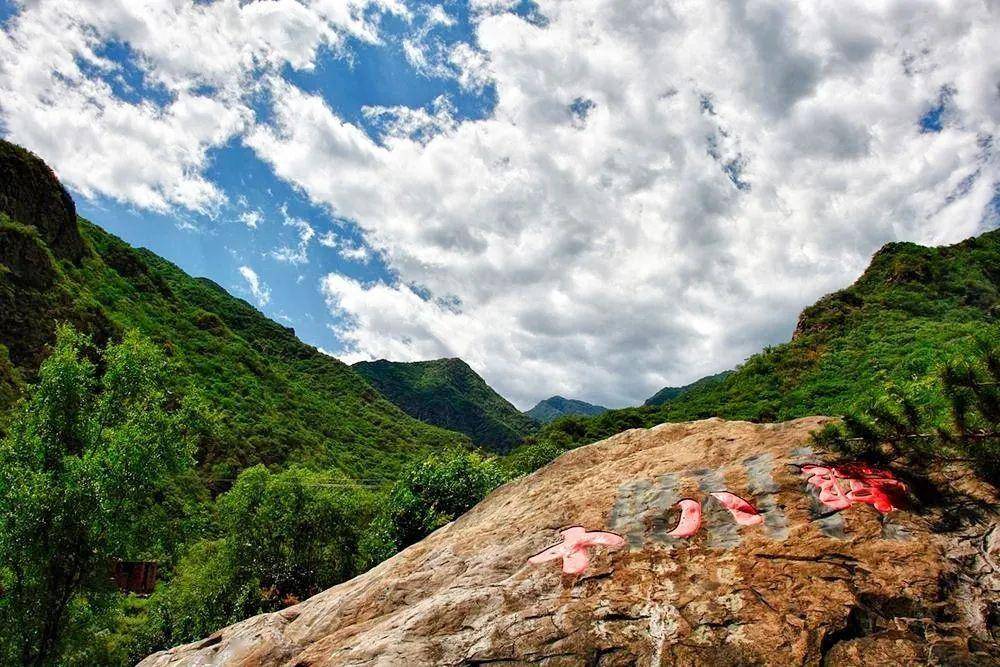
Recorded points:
(258, 288)
(657, 193)
(349, 250)
(400, 122)
(428, 54)
(660, 188)
(469, 66)
(251, 218)
(299, 253)
(200, 61)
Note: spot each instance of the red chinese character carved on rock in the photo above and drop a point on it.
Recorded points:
(864, 484)
(573, 548)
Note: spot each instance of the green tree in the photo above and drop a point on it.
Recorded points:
(533, 454)
(428, 495)
(284, 536)
(81, 463)
(956, 417)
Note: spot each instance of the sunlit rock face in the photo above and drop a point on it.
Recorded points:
(705, 543)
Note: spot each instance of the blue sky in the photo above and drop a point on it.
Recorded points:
(216, 245)
(594, 199)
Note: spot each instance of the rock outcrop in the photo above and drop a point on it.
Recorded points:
(772, 561)
(32, 195)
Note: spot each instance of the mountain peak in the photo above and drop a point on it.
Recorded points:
(556, 406)
(447, 392)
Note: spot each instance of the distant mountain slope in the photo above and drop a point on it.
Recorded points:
(557, 406)
(670, 393)
(448, 393)
(912, 308)
(279, 399)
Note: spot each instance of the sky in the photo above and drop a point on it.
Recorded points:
(592, 198)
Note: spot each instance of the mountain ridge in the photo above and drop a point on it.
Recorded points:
(556, 406)
(448, 393)
(670, 393)
(279, 399)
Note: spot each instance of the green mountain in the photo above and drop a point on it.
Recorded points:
(912, 309)
(557, 406)
(279, 400)
(670, 393)
(447, 393)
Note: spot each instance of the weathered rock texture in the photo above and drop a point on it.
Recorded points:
(915, 586)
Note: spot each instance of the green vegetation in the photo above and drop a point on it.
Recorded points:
(447, 393)
(427, 496)
(280, 538)
(95, 469)
(898, 424)
(914, 309)
(670, 393)
(279, 401)
(557, 406)
(83, 470)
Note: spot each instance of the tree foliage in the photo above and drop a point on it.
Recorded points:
(427, 496)
(897, 423)
(85, 458)
(282, 537)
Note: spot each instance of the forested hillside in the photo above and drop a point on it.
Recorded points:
(557, 406)
(912, 310)
(448, 393)
(670, 393)
(278, 399)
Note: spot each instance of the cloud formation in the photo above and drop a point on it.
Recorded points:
(144, 137)
(659, 189)
(258, 288)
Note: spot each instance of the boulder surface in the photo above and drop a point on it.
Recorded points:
(705, 543)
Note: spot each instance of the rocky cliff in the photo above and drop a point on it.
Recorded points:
(705, 543)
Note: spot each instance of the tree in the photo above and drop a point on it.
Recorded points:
(428, 495)
(83, 458)
(908, 422)
(284, 536)
(295, 531)
(532, 455)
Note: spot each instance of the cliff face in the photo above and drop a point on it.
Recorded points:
(708, 543)
(31, 194)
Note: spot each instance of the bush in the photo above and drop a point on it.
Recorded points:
(284, 537)
(427, 496)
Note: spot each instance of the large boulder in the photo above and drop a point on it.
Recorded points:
(706, 543)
